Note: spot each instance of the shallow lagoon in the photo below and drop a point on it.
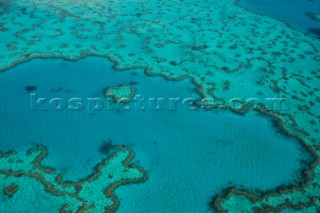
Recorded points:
(189, 155)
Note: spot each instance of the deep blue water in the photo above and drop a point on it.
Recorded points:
(293, 12)
(189, 155)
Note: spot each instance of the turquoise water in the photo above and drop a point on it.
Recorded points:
(293, 12)
(189, 155)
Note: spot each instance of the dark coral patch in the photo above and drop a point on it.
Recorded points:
(315, 31)
(173, 63)
(30, 88)
(313, 16)
(106, 147)
(10, 190)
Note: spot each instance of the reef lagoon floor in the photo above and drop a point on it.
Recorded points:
(188, 155)
(153, 106)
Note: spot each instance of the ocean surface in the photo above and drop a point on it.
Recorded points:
(189, 155)
(160, 151)
(296, 13)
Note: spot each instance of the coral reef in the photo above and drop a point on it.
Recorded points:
(122, 93)
(212, 42)
(94, 193)
(10, 190)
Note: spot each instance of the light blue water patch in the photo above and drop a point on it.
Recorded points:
(189, 155)
(293, 12)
